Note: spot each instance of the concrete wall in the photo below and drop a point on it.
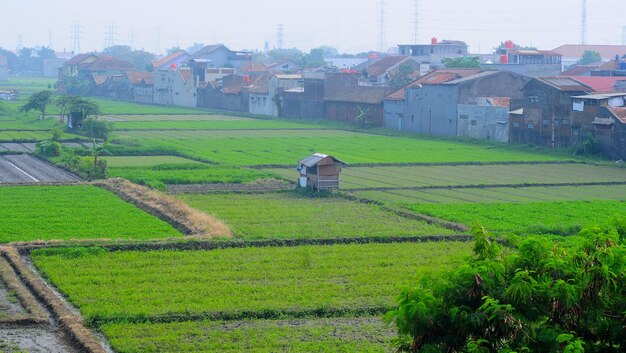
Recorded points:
(262, 104)
(483, 122)
(431, 110)
(394, 114)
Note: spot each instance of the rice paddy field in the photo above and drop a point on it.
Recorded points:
(337, 335)
(263, 290)
(288, 215)
(136, 286)
(73, 212)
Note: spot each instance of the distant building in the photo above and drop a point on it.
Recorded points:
(4, 68)
(433, 103)
(386, 69)
(572, 53)
(220, 56)
(306, 102)
(175, 87)
(51, 67)
(173, 60)
(265, 93)
(285, 66)
(609, 129)
(435, 52)
(345, 100)
(527, 62)
(547, 111)
(485, 118)
(345, 63)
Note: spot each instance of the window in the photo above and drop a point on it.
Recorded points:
(533, 99)
(531, 126)
(463, 116)
(473, 122)
(515, 124)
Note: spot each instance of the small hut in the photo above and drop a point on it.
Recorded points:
(320, 172)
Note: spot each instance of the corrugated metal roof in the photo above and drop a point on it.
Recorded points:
(602, 84)
(472, 77)
(565, 84)
(315, 158)
(600, 96)
(619, 113)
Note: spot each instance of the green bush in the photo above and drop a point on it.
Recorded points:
(87, 169)
(48, 148)
(543, 297)
(97, 128)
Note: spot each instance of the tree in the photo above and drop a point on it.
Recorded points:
(38, 101)
(543, 297)
(315, 58)
(461, 63)
(46, 53)
(77, 109)
(589, 57)
(403, 76)
(141, 59)
(99, 165)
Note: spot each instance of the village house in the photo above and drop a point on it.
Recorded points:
(220, 56)
(431, 104)
(346, 63)
(346, 100)
(175, 87)
(485, 118)
(527, 62)
(572, 53)
(305, 102)
(435, 52)
(386, 69)
(586, 110)
(285, 66)
(228, 93)
(265, 93)
(135, 86)
(547, 112)
(609, 129)
(173, 60)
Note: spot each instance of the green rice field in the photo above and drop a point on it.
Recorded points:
(504, 174)
(73, 212)
(564, 218)
(286, 147)
(337, 335)
(498, 195)
(145, 161)
(288, 215)
(212, 124)
(114, 286)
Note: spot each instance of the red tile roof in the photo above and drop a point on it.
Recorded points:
(108, 63)
(384, 64)
(261, 85)
(619, 113)
(185, 74)
(578, 70)
(254, 67)
(577, 50)
(500, 101)
(600, 84)
(397, 95)
(135, 77)
(433, 78)
(168, 59)
(77, 59)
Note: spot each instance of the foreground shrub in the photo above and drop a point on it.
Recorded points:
(544, 297)
(48, 148)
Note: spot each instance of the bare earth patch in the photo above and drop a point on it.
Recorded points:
(186, 219)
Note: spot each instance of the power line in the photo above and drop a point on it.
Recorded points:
(110, 35)
(381, 30)
(280, 36)
(624, 35)
(583, 25)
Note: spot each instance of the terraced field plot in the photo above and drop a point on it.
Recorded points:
(498, 195)
(73, 212)
(287, 215)
(114, 286)
(421, 176)
(24, 135)
(527, 218)
(156, 118)
(286, 147)
(258, 336)
(213, 124)
(146, 161)
(124, 107)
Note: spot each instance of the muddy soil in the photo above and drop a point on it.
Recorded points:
(34, 340)
(9, 303)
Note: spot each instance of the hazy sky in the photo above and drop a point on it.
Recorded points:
(349, 25)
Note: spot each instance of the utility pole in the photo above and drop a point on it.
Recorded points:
(381, 30)
(416, 16)
(50, 38)
(624, 35)
(583, 25)
(280, 36)
(20, 42)
(132, 39)
(76, 37)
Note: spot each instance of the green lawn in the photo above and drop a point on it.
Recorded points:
(345, 335)
(498, 195)
(286, 147)
(114, 286)
(73, 212)
(146, 161)
(122, 107)
(528, 218)
(288, 215)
